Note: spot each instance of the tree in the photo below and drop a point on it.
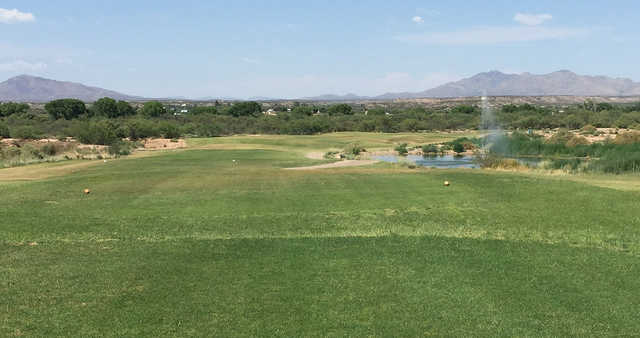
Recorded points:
(245, 109)
(11, 108)
(125, 109)
(153, 109)
(204, 110)
(65, 108)
(106, 107)
(302, 111)
(458, 148)
(340, 109)
(4, 130)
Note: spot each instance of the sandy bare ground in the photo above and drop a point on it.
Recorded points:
(341, 164)
(316, 155)
(163, 143)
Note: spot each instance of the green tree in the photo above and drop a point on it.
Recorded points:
(340, 109)
(125, 109)
(106, 107)
(4, 130)
(204, 110)
(458, 148)
(67, 109)
(302, 111)
(153, 109)
(245, 109)
(10, 108)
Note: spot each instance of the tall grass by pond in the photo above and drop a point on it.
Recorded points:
(573, 153)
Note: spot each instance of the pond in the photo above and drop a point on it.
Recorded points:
(447, 161)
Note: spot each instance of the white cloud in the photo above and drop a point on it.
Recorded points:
(22, 66)
(532, 19)
(417, 19)
(250, 60)
(15, 16)
(494, 35)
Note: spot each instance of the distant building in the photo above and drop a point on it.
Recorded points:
(270, 112)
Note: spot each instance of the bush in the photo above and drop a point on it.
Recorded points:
(245, 109)
(140, 128)
(25, 132)
(4, 131)
(120, 148)
(402, 149)
(430, 149)
(153, 109)
(589, 130)
(354, 149)
(170, 130)
(458, 148)
(103, 132)
(50, 149)
(65, 108)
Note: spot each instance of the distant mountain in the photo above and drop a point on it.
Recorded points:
(562, 82)
(332, 97)
(496, 83)
(25, 88)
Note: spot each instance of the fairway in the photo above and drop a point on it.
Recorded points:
(218, 240)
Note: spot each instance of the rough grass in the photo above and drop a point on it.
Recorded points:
(191, 243)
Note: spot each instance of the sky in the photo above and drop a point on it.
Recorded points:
(292, 49)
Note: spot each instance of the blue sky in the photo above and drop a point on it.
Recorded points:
(302, 48)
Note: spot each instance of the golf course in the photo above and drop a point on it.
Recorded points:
(218, 239)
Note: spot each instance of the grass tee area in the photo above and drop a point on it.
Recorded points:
(193, 243)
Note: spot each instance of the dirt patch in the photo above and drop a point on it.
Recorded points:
(341, 164)
(316, 155)
(163, 143)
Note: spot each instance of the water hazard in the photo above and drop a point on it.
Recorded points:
(446, 161)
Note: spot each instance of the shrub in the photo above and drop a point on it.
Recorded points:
(32, 152)
(4, 130)
(120, 148)
(50, 149)
(402, 149)
(140, 128)
(458, 148)
(628, 138)
(561, 137)
(577, 141)
(589, 130)
(25, 132)
(430, 149)
(331, 155)
(65, 108)
(354, 149)
(170, 130)
(153, 109)
(102, 132)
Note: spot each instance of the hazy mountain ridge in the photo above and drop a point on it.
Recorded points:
(495, 83)
(25, 88)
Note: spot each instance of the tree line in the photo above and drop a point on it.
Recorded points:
(107, 119)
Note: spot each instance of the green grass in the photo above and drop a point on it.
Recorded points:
(332, 141)
(190, 243)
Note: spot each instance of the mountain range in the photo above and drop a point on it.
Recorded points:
(495, 83)
(26, 88)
